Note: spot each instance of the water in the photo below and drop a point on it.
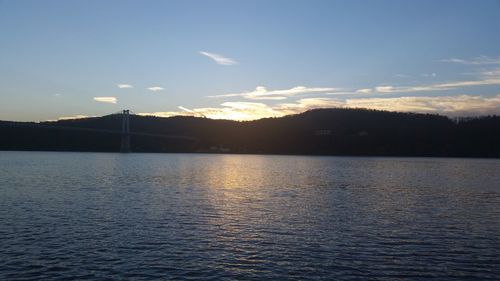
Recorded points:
(67, 216)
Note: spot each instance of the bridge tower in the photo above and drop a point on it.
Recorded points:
(125, 147)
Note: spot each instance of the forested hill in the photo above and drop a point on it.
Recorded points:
(317, 132)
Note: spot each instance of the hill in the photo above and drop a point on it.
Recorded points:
(315, 132)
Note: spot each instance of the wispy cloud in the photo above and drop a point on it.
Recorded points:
(481, 60)
(124, 86)
(486, 80)
(68, 118)
(429, 74)
(364, 91)
(491, 73)
(184, 112)
(463, 105)
(166, 113)
(241, 111)
(185, 109)
(219, 59)
(156, 88)
(262, 93)
(106, 99)
(190, 111)
(73, 117)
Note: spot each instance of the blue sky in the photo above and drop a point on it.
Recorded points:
(247, 59)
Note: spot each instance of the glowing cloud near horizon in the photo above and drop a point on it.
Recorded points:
(447, 105)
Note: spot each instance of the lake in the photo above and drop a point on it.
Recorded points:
(88, 216)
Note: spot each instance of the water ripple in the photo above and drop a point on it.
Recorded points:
(85, 216)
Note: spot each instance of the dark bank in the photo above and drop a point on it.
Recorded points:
(355, 132)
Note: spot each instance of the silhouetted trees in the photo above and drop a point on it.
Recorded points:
(316, 132)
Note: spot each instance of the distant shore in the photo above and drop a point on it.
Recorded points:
(336, 132)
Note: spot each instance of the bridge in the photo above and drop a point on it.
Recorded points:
(124, 132)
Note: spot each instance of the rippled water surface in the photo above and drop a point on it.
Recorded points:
(101, 216)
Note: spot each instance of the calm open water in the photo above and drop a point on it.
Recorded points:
(98, 216)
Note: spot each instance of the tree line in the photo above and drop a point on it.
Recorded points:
(338, 131)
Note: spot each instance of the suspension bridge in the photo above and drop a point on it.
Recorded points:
(125, 132)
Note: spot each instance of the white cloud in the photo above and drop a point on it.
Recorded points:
(124, 86)
(191, 111)
(68, 118)
(463, 105)
(219, 59)
(493, 80)
(399, 75)
(384, 89)
(73, 117)
(185, 109)
(106, 99)
(156, 88)
(481, 60)
(262, 93)
(364, 91)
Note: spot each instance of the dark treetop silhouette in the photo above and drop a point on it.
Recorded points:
(316, 132)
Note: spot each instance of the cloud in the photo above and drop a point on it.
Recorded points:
(485, 78)
(73, 117)
(191, 111)
(185, 109)
(491, 73)
(481, 60)
(463, 105)
(166, 113)
(124, 86)
(219, 59)
(262, 93)
(241, 111)
(156, 88)
(429, 74)
(364, 91)
(493, 80)
(68, 118)
(106, 99)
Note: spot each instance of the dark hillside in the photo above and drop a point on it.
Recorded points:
(321, 132)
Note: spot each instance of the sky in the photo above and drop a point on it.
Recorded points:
(246, 60)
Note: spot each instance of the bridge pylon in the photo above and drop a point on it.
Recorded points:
(125, 146)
